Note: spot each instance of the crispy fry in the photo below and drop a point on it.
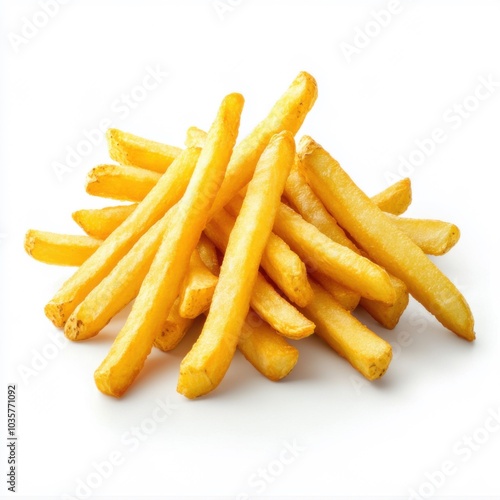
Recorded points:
(101, 222)
(205, 365)
(388, 315)
(337, 261)
(305, 202)
(195, 137)
(434, 237)
(60, 249)
(198, 288)
(396, 198)
(129, 149)
(121, 183)
(173, 329)
(366, 352)
(161, 285)
(119, 287)
(208, 254)
(282, 265)
(383, 241)
(345, 297)
(273, 308)
(268, 352)
(166, 192)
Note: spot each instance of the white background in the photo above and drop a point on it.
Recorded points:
(384, 438)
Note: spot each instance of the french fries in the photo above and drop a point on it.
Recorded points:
(367, 352)
(384, 242)
(121, 183)
(101, 222)
(129, 149)
(198, 288)
(434, 237)
(265, 241)
(268, 352)
(162, 197)
(280, 314)
(161, 285)
(60, 249)
(396, 198)
(205, 365)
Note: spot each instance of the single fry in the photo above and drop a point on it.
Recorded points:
(195, 137)
(208, 254)
(101, 222)
(163, 196)
(384, 242)
(121, 183)
(198, 288)
(345, 297)
(268, 303)
(366, 352)
(173, 329)
(396, 198)
(388, 315)
(268, 352)
(60, 249)
(129, 149)
(434, 237)
(161, 285)
(337, 261)
(205, 365)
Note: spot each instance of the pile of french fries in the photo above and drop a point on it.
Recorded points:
(268, 240)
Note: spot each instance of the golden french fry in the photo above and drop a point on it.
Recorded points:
(395, 199)
(161, 286)
(60, 249)
(195, 137)
(197, 289)
(206, 363)
(273, 308)
(101, 222)
(268, 352)
(434, 237)
(366, 352)
(173, 329)
(121, 183)
(388, 314)
(383, 241)
(305, 202)
(208, 254)
(129, 149)
(163, 196)
(337, 261)
(345, 297)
